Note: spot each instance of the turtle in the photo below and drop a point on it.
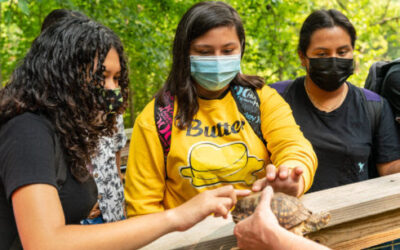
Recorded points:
(289, 211)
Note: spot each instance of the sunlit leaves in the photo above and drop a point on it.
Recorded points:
(146, 27)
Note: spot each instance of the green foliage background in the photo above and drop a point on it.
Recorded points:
(147, 27)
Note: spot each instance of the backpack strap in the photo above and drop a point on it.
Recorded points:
(282, 86)
(374, 105)
(248, 103)
(163, 116)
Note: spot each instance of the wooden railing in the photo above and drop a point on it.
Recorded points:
(363, 214)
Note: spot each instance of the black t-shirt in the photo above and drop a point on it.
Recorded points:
(343, 139)
(30, 153)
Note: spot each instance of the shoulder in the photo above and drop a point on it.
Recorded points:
(27, 124)
(288, 89)
(281, 86)
(369, 95)
(28, 149)
(284, 87)
(26, 131)
(270, 99)
(267, 90)
(146, 117)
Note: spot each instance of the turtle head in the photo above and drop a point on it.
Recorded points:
(316, 221)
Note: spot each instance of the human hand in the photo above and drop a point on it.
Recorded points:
(95, 212)
(259, 231)
(282, 179)
(218, 201)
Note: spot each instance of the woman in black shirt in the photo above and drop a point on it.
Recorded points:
(347, 132)
(57, 105)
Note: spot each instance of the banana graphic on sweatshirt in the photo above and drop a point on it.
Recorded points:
(210, 164)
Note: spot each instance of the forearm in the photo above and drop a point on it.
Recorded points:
(44, 226)
(388, 168)
(289, 240)
(128, 234)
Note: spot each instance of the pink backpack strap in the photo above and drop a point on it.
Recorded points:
(163, 115)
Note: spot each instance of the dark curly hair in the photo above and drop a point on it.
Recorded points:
(58, 14)
(57, 79)
(197, 21)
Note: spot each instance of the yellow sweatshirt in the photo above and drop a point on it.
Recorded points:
(219, 148)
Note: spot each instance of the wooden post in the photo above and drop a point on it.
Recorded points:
(363, 214)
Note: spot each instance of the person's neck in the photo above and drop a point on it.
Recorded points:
(325, 100)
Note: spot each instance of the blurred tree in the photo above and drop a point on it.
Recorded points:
(147, 27)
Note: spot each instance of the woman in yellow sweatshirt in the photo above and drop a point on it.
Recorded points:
(219, 132)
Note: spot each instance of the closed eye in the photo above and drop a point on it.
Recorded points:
(227, 51)
(204, 52)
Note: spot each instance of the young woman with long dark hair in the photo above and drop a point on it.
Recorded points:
(211, 125)
(56, 106)
(105, 165)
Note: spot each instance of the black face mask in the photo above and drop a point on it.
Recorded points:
(330, 73)
(113, 98)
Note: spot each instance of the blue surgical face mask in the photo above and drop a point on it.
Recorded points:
(214, 72)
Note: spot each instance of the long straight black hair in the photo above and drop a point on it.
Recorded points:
(198, 20)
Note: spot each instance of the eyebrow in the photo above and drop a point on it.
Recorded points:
(344, 47)
(209, 46)
(341, 47)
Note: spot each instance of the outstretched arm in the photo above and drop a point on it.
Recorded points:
(44, 226)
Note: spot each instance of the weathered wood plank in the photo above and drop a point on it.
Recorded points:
(363, 214)
(358, 200)
(361, 233)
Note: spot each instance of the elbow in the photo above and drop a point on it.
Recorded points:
(50, 240)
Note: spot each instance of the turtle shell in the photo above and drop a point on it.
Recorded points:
(289, 211)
